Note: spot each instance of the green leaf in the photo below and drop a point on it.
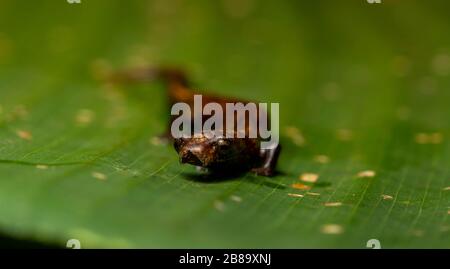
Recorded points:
(365, 87)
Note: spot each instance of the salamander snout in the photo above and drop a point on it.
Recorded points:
(216, 152)
(193, 151)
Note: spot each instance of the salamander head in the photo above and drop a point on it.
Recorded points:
(212, 152)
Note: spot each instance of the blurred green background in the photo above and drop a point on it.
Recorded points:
(361, 87)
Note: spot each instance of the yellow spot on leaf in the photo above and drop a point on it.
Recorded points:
(25, 135)
(156, 141)
(436, 138)
(84, 116)
(300, 186)
(431, 138)
(345, 134)
(295, 135)
(42, 167)
(20, 111)
(332, 229)
(441, 64)
(417, 233)
(219, 205)
(99, 176)
(309, 177)
(321, 159)
(421, 138)
(236, 198)
(333, 204)
(297, 195)
(366, 173)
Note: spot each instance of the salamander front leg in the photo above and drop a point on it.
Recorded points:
(270, 158)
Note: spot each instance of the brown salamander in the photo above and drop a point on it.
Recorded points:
(219, 153)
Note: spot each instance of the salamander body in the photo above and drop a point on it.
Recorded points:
(217, 153)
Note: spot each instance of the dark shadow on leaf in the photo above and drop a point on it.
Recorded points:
(322, 184)
(9, 242)
(211, 178)
(267, 182)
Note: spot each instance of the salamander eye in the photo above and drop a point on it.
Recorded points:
(223, 144)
